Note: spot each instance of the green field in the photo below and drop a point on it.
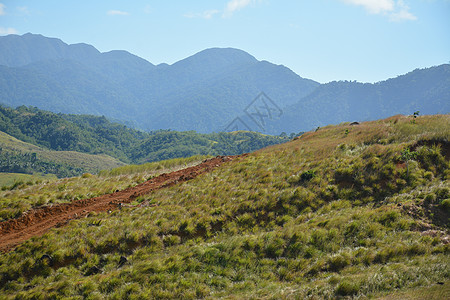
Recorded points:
(342, 212)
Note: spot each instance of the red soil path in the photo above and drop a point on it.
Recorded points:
(37, 221)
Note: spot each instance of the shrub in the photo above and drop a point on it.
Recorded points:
(445, 204)
(339, 261)
(347, 288)
(308, 175)
(274, 248)
(443, 193)
(170, 240)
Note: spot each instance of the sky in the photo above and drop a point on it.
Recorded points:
(324, 40)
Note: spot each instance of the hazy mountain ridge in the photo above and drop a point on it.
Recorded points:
(204, 92)
(424, 90)
(30, 48)
(120, 85)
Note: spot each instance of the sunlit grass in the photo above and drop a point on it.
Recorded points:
(24, 195)
(89, 162)
(331, 214)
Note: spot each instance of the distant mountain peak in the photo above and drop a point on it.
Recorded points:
(218, 56)
(217, 51)
(22, 50)
(210, 63)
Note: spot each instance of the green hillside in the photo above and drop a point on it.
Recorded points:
(20, 157)
(12, 180)
(98, 135)
(341, 212)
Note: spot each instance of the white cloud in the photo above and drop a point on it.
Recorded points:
(6, 31)
(23, 10)
(147, 9)
(402, 14)
(231, 7)
(2, 9)
(190, 15)
(235, 5)
(207, 14)
(395, 10)
(117, 13)
(374, 6)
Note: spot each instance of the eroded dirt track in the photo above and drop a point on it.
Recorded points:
(37, 221)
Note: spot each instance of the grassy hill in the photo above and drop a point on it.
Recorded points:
(98, 135)
(344, 211)
(21, 157)
(12, 180)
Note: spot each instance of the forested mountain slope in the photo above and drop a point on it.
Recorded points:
(423, 90)
(96, 135)
(213, 86)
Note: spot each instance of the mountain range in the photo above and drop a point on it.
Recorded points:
(214, 90)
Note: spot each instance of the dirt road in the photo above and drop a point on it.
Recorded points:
(37, 221)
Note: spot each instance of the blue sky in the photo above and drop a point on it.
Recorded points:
(325, 40)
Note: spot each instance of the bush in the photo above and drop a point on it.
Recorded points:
(338, 262)
(445, 204)
(443, 193)
(170, 240)
(308, 175)
(347, 288)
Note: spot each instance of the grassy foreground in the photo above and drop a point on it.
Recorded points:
(343, 212)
